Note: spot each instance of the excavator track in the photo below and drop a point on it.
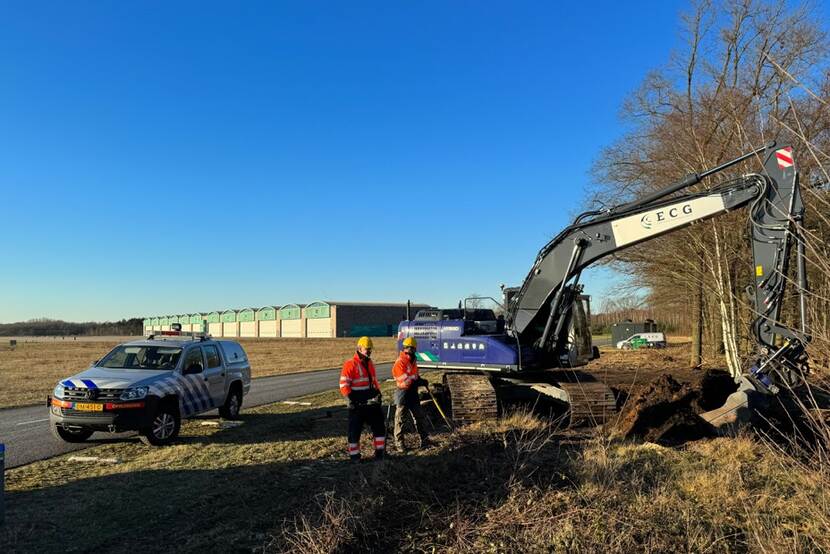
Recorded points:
(591, 402)
(472, 397)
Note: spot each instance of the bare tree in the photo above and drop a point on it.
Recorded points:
(733, 86)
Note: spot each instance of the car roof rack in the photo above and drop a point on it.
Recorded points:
(192, 335)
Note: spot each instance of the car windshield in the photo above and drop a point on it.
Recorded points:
(142, 357)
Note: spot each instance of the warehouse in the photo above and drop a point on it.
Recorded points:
(355, 319)
(318, 319)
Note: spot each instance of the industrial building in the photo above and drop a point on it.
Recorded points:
(321, 319)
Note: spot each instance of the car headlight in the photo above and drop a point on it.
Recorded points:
(136, 393)
(58, 392)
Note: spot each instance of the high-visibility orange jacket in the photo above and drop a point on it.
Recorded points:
(357, 377)
(405, 371)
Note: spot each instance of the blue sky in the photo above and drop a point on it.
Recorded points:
(170, 157)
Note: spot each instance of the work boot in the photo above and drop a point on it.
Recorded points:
(401, 447)
(425, 443)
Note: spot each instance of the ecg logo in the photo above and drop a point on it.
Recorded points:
(667, 214)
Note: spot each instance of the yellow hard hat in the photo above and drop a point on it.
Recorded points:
(410, 341)
(365, 342)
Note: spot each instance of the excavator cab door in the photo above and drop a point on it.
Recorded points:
(579, 334)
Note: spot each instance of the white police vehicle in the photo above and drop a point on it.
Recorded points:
(150, 385)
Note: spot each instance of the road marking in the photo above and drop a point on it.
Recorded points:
(33, 421)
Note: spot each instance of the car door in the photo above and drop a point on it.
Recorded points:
(214, 374)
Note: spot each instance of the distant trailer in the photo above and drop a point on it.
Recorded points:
(624, 329)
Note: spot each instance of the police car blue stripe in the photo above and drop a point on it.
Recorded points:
(68, 383)
(189, 398)
(205, 392)
(193, 382)
(89, 384)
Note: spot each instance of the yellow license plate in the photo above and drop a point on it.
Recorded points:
(83, 407)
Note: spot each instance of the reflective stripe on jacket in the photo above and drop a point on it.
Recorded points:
(356, 377)
(405, 371)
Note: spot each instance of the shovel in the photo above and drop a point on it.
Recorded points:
(440, 411)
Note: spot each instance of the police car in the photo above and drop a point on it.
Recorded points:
(150, 385)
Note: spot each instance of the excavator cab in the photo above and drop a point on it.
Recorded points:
(580, 348)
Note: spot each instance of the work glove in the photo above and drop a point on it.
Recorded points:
(374, 397)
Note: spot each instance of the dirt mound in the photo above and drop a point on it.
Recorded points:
(666, 411)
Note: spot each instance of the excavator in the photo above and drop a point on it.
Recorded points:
(543, 332)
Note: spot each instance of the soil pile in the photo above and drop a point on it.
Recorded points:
(666, 411)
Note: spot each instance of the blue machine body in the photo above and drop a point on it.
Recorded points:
(448, 341)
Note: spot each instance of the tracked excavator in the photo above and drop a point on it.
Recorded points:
(543, 335)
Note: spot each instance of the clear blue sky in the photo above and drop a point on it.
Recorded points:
(170, 157)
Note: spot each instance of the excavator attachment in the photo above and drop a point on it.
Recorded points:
(739, 409)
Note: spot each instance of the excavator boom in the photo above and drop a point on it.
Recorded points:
(540, 312)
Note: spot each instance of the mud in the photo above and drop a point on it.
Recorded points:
(666, 410)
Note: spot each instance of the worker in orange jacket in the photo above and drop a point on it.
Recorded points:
(359, 384)
(407, 379)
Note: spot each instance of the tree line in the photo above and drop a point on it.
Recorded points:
(749, 71)
(57, 328)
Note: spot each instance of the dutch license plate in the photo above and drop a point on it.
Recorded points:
(86, 407)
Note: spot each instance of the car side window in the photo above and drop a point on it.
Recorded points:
(194, 357)
(213, 359)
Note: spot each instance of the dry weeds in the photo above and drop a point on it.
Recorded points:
(281, 482)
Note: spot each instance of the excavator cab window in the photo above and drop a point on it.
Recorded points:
(479, 321)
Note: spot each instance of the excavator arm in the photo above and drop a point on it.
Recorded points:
(539, 314)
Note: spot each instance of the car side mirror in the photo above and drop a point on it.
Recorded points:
(193, 368)
(93, 363)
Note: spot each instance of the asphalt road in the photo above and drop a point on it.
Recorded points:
(25, 431)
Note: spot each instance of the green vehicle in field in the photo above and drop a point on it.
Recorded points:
(636, 343)
(643, 340)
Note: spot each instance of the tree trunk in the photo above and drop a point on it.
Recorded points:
(697, 326)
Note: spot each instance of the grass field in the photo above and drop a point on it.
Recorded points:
(30, 371)
(281, 483)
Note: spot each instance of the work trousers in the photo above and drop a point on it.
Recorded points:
(363, 414)
(406, 401)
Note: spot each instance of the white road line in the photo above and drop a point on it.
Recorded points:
(33, 421)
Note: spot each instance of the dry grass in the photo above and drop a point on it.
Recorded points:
(281, 482)
(30, 371)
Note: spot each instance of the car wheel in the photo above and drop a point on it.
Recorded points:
(164, 428)
(626, 347)
(233, 404)
(71, 435)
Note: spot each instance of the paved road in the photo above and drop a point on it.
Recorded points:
(25, 431)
